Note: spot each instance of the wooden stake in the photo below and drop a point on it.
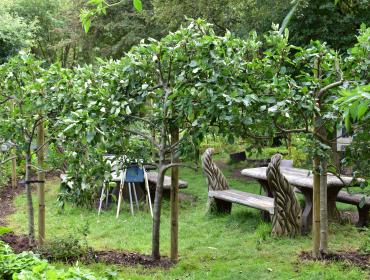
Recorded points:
(316, 209)
(324, 208)
(41, 178)
(174, 199)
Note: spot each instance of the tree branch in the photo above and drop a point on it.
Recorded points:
(295, 130)
(332, 85)
(8, 159)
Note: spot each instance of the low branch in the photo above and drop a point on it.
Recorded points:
(294, 130)
(177, 164)
(140, 119)
(332, 85)
(6, 100)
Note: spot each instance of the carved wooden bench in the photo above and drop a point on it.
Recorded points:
(225, 198)
(283, 207)
(221, 197)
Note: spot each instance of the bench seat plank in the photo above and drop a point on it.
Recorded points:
(244, 198)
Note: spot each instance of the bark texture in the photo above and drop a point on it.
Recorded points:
(215, 179)
(287, 212)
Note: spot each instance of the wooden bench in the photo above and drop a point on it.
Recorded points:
(354, 199)
(225, 198)
(221, 196)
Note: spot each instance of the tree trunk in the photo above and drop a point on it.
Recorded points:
(14, 160)
(31, 222)
(324, 208)
(158, 198)
(174, 199)
(157, 214)
(316, 209)
(14, 171)
(41, 178)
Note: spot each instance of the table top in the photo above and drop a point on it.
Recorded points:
(297, 176)
(152, 178)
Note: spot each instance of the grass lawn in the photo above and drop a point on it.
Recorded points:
(236, 246)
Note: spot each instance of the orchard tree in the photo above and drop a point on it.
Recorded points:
(23, 86)
(178, 87)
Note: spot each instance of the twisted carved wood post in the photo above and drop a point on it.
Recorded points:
(286, 220)
(216, 182)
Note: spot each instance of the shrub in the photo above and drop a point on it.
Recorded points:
(65, 249)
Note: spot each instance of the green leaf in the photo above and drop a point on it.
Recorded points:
(138, 5)
(4, 230)
(362, 109)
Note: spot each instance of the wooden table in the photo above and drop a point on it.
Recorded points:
(152, 179)
(303, 180)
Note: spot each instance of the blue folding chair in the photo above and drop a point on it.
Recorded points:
(134, 174)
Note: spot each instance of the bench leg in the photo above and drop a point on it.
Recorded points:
(306, 217)
(266, 216)
(219, 206)
(363, 216)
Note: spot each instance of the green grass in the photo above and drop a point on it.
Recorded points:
(236, 246)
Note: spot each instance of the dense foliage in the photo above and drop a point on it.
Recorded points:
(59, 35)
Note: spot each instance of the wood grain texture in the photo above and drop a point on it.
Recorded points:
(287, 212)
(248, 199)
(296, 176)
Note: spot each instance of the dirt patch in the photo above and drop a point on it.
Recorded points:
(130, 259)
(20, 243)
(7, 193)
(348, 257)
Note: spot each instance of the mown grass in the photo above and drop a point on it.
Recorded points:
(236, 246)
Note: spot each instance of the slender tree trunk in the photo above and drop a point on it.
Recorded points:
(316, 209)
(158, 198)
(14, 160)
(157, 207)
(174, 199)
(31, 222)
(336, 155)
(14, 171)
(41, 178)
(324, 208)
(289, 140)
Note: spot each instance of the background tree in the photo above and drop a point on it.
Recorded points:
(334, 22)
(15, 33)
(21, 79)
